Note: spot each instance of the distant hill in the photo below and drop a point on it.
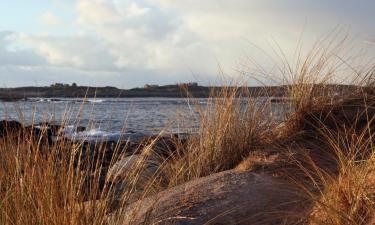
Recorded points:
(74, 91)
(176, 91)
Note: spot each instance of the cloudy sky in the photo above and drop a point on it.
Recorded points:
(128, 43)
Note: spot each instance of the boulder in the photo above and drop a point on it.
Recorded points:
(229, 197)
(354, 113)
(121, 169)
(10, 127)
(131, 177)
(124, 161)
(45, 131)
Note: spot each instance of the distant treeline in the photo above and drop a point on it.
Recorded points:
(59, 90)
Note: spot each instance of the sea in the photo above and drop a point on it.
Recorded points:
(113, 117)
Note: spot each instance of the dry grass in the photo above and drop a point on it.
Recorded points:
(325, 146)
(62, 183)
(348, 197)
(41, 186)
(329, 133)
(231, 126)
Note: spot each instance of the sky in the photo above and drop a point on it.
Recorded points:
(126, 43)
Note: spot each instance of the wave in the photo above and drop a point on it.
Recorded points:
(101, 135)
(95, 100)
(131, 101)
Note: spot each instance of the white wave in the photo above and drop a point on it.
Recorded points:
(100, 135)
(95, 100)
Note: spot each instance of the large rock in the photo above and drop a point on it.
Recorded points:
(130, 178)
(351, 113)
(10, 127)
(123, 168)
(228, 197)
(120, 161)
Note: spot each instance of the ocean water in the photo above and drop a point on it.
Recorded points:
(113, 116)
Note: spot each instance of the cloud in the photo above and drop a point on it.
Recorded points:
(97, 12)
(11, 54)
(50, 19)
(46, 75)
(166, 40)
(141, 36)
(80, 52)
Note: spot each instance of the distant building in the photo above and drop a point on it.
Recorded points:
(60, 85)
(57, 85)
(190, 84)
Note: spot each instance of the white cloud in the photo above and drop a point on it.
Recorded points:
(50, 19)
(176, 35)
(97, 12)
(138, 36)
(13, 55)
(167, 39)
(79, 52)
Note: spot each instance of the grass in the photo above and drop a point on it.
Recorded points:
(60, 183)
(330, 136)
(231, 126)
(348, 198)
(40, 185)
(324, 145)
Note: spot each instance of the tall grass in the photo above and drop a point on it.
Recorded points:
(349, 197)
(62, 182)
(232, 124)
(329, 134)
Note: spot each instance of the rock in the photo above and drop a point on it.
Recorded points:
(355, 113)
(10, 127)
(108, 154)
(114, 171)
(92, 185)
(166, 146)
(229, 197)
(120, 170)
(80, 128)
(45, 131)
(135, 173)
(41, 132)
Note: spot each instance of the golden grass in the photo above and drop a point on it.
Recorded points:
(330, 136)
(231, 126)
(58, 184)
(348, 199)
(325, 146)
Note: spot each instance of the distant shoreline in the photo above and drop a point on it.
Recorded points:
(167, 91)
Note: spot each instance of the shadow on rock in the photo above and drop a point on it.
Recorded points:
(228, 197)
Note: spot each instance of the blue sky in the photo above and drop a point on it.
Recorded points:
(25, 15)
(129, 43)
